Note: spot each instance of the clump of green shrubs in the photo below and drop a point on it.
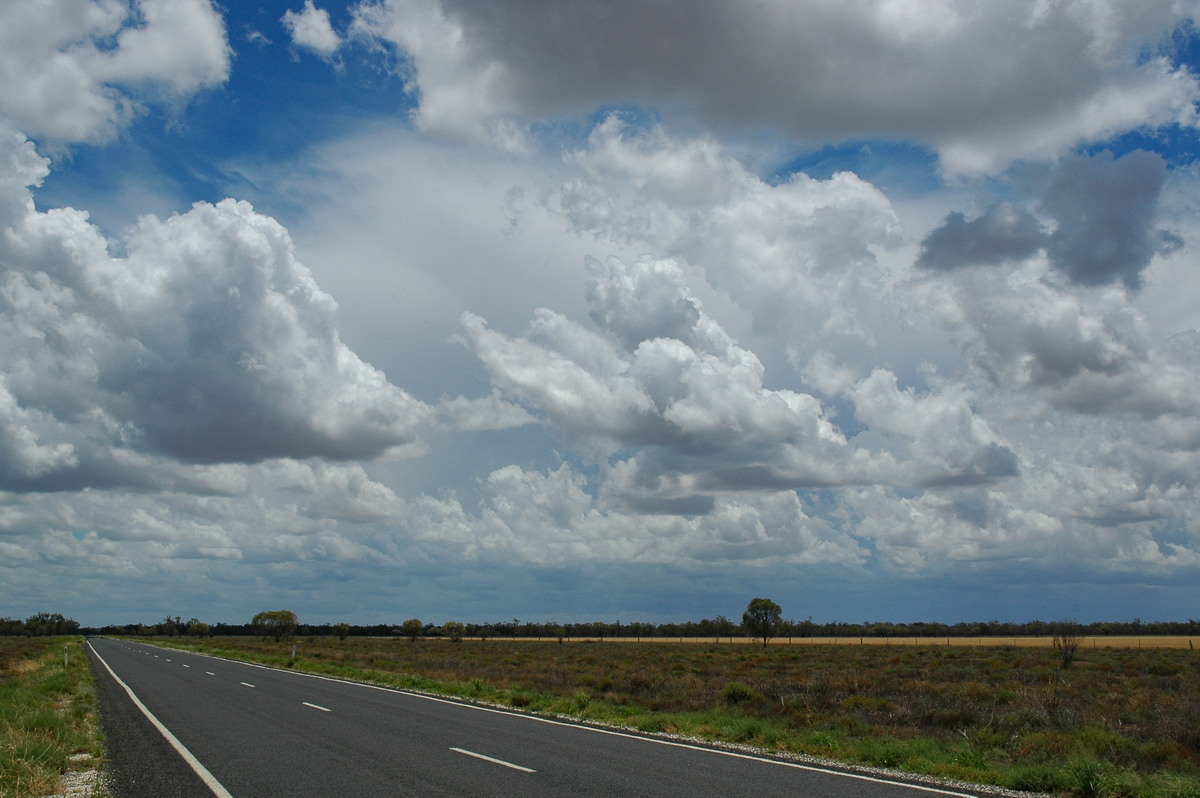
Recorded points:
(737, 693)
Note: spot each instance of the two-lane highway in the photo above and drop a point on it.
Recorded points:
(254, 731)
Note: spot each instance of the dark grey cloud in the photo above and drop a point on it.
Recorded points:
(1003, 232)
(986, 464)
(1105, 208)
(1104, 212)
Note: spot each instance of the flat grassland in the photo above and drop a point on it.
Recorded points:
(48, 721)
(1119, 721)
(1115, 641)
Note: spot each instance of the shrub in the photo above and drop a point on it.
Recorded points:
(971, 758)
(1067, 639)
(640, 683)
(1038, 778)
(1086, 778)
(1165, 669)
(745, 730)
(1174, 787)
(882, 753)
(736, 693)
(823, 741)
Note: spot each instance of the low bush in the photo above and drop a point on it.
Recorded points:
(736, 693)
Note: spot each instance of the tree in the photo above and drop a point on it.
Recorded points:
(454, 630)
(50, 623)
(198, 628)
(278, 624)
(762, 618)
(341, 630)
(412, 627)
(716, 627)
(169, 626)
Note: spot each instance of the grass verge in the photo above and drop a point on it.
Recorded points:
(48, 718)
(1118, 722)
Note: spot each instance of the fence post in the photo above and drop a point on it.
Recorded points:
(64, 655)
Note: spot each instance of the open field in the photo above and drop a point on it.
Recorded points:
(1113, 641)
(48, 723)
(1118, 721)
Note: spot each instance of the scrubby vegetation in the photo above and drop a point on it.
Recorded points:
(1117, 722)
(48, 723)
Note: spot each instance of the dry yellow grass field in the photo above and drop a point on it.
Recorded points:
(1114, 641)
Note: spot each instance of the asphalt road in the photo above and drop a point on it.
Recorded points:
(265, 732)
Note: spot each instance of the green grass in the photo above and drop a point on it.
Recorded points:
(1118, 722)
(48, 720)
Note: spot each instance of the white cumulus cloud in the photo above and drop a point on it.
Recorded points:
(67, 67)
(311, 28)
(206, 340)
(664, 389)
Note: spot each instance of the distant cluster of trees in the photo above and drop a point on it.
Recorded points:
(762, 619)
(42, 624)
(168, 627)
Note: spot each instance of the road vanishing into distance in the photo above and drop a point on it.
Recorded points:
(194, 726)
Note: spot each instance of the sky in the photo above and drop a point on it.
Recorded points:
(886, 310)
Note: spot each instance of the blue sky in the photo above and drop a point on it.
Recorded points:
(383, 309)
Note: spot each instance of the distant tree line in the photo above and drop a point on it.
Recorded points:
(42, 624)
(718, 627)
(763, 619)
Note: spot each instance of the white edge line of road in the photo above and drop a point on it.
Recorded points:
(209, 779)
(612, 732)
(493, 760)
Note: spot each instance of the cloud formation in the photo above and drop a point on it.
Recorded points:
(1105, 209)
(981, 84)
(1001, 233)
(71, 70)
(1102, 211)
(793, 253)
(664, 391)
(639, 344)
(311, 29)
(206, 341)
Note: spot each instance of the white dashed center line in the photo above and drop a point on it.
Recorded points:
(316, 706)
(247, 684)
